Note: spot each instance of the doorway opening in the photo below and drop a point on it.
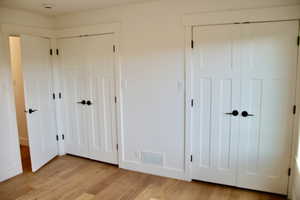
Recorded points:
(18, 85)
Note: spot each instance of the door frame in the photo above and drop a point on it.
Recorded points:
(8, 30)
(232, 17)
(99, 29)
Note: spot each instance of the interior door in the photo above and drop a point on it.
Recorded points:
(75, 86)
(269, 61)
(216, 94)
(102, 113)
(37, 73)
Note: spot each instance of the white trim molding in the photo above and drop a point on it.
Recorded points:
(88, 30)
(243, 15)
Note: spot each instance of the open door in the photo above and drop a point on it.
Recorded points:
(40, 110)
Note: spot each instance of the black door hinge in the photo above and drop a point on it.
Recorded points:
(191, 158)
(192, 102)
(192, 44)
(57, 52)
(294, 109)
(57, 137)
(53, 95)
(289, 172)
(59, 95)
(63, 136)
(115, 99)
(298, 40)
(114, 48)
(117, 147)
(51, 52)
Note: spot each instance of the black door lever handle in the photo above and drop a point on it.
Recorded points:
(83, 102)
(31, 110)
(246, 114)
(234, 113)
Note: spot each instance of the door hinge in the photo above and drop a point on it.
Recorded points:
(51, 52)
(53, 95)
(192, 44)
(117, 147)
(57, 52)
(192, 102)
(191, 158)
(114, 48)
(289, 172)
(59, 95)
(294, 109)
(63, 136)
(298, 40)
(57, 138)
(115, 99)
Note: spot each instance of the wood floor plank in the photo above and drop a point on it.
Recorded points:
(73, 178)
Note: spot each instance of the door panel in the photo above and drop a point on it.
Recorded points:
(74, 89)
(269, 64)
(100, 60)
(37, 73)
(216, 91)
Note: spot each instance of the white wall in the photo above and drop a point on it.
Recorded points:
(152, 50)
(9, 144)
(18, 83)
(24, 18)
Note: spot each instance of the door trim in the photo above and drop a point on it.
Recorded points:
(285, 13)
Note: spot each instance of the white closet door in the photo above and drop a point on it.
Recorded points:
(74, 82)
(268, 92)
(102, 119)
(37, 73)
(216, 91)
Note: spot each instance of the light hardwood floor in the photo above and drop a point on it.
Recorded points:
(76, 178)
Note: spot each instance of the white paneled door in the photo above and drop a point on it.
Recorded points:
(269, 61)
(40, 110)
(216, 92)
(89, 97)
(243, 85)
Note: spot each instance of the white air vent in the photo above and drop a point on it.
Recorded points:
(152, 158)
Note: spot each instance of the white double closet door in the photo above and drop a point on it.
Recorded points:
(89, 97)
(237, 69)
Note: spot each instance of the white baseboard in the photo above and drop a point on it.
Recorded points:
(150, 169)
(24, 141)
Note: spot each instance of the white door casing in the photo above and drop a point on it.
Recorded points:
(9, 144)
(37, 73)
(265, 59)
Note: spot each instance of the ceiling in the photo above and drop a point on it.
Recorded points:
(63, 6)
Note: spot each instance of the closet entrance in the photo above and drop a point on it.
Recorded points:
(89, 99)
(32, 78)
(243, 86)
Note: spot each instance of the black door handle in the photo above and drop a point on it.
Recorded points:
(31, 110)
(83, 102)
(246, 114)
(234, 113)
(88, 102)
